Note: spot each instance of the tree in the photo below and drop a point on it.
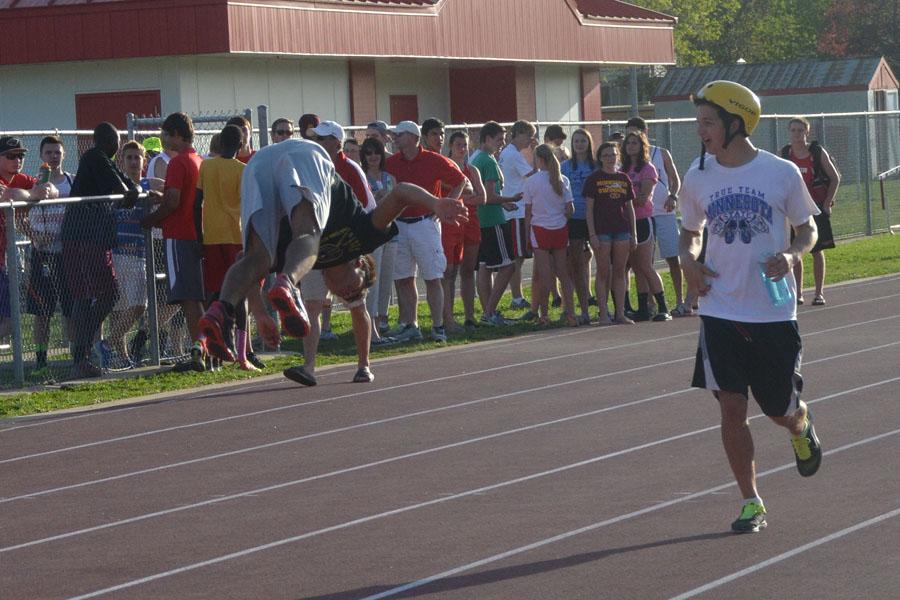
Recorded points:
(862, 28)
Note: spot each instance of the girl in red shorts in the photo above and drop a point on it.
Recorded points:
(548, 206)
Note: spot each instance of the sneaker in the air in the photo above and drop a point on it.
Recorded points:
(807, 449)
(751, 519)
(285, 297)
(218, 332)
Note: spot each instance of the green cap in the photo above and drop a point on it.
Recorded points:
(153, 144)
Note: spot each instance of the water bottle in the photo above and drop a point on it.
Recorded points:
(145, 184)
(779, 291)
(44, 174)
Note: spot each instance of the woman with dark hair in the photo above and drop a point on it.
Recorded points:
(636, 164)
(577, 170)
(372, 155)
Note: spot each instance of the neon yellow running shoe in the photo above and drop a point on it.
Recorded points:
(807, 449)
(751, 519)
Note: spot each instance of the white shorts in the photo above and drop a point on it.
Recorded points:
(419, 247)
(313, 288)
(665, 229)
(131, 279)
(277, 179)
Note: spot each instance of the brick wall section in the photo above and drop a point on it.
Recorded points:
(362, 92)
(526, 100)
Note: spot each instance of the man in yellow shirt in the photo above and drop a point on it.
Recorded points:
(219, 194)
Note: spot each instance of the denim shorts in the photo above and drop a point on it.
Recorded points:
(621, 236)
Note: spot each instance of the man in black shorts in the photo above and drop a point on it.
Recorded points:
(748, 199)
(349, 236)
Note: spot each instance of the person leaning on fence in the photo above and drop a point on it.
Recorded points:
(130, 263)
(282, 129)
(178, 219)
(822, 180)
(15, 186)
(47, 285)
(88, 236)
(749, 340)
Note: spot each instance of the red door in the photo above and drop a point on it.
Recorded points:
(91, 109)
(404, 108)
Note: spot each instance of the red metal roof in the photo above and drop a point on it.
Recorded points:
(614, 9)
(577, 31)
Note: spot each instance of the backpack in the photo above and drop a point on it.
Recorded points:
(820, 177)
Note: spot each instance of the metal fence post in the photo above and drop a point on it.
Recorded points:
(822, 138)
(262, 112)
(866, 172)
(129, 118)
(152, 308)
(15, 306)
(775, 147)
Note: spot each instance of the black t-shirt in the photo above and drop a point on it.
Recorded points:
(94, 221)
(348, 233)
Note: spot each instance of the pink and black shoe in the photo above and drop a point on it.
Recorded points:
(286, 300)
(218, 329)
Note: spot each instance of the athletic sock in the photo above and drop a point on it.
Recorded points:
(642, 303)
(241, 343)
(756, 499)
(661, 302)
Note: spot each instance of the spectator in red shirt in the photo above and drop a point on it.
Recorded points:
(179, 221)
(419, 241)
(17, 187)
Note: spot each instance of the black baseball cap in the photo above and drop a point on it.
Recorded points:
(9, 143)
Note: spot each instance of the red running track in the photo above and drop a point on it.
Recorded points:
(564, 464)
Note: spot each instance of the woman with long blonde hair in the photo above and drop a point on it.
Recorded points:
(548, 206)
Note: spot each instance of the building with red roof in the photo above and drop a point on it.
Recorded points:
(82, 61)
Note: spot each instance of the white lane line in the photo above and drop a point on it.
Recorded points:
(789, 554)
(366, 424)
(377, 463)
(331, 432)
(507, 342)
(389, 388)
(575, 532)
(494, 558)
(467, 374)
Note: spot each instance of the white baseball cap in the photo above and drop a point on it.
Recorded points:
(329, 128)
(407, 127)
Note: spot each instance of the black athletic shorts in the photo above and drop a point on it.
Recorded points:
(47, 285)
(578, 229)
(644, 230)
(496, 247)
(764, 357)
(825, 239)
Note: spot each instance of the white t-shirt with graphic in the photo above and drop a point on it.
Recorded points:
(515, 171)
(748, 211)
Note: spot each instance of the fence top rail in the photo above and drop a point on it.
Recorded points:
(472, 125)
(72, 200)
(888, 173)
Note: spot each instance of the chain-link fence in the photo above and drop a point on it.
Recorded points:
(68, 307)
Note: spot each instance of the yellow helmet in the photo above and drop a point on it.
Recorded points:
(734, 99)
